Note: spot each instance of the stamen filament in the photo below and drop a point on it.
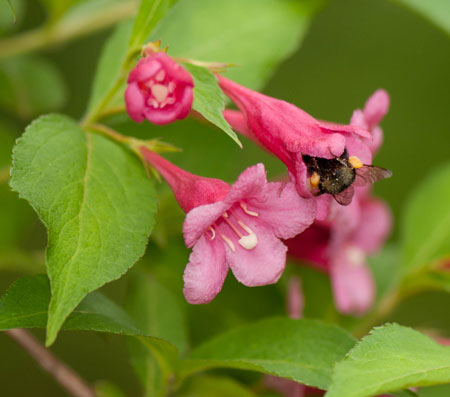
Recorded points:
(213, 233)
(228, 241)
(235, 229)
(248, 212)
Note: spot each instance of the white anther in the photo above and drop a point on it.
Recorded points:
(160, 75)
(248, 212)
(228, 241)
(171, 87)
(355, 256)
(160, 92)
(225, 214)
(213, 233)
(251, 240)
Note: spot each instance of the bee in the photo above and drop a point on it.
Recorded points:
(339, 175)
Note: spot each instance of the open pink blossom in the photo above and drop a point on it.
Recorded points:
(237, 227)
(289, 132)
(340, 242)
(158, 90)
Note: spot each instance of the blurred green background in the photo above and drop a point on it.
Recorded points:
(353, 47)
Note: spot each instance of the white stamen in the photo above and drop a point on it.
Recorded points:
(160, 92)
(228, 241)
(160, 75)
(355, 256)
(153, 102)
(171, 87)
(213, 233)
(225, 214)
(235, 229)
(251, 240)
(248, 212)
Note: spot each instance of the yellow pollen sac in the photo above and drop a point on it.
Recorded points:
(355, 162)
(315, 179)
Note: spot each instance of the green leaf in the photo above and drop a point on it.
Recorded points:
(156, 311)
(149, 14)
(30, 85)
(256, 35)
(426, 223)
(386, 268)
(95, 200)
(435, 391)
(25, 306)
(302, 350)
(405, 393)
(436, 11)
(15, 214)
(109, 69)
(213, 386)
(391, 358)
(209, 100)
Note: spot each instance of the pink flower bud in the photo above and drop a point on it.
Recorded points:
(159, 90)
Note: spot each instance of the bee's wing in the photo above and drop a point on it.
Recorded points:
(345, 197)
(370, 174)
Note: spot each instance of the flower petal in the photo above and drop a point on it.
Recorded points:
(284, 212)
(199, 219)
(374, 226)
(376, 108)
(352, 281)
(261, 265)
(206, 271)
(251, 184)
(134, 101)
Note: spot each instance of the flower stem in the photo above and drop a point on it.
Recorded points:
(64, 375)
(65, 29)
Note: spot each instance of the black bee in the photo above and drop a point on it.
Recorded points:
(338, 176)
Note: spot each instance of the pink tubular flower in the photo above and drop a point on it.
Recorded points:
(289, 132)
(158, 90)
(237, 227)
(340, 242)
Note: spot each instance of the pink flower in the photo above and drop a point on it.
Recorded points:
(341, 239)
(237, 227)
(158, 90)
(289, 132)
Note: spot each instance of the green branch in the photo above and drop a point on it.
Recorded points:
(66, 29)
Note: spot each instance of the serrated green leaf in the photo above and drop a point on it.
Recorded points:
(156, 311)
(25, 306)
(149, 14)
(426, 222)
(95, 200)
(436, 11)
(256, 35)
(15, 214)
(30, 85)
(302, 350)
(209, 100)
(391, 358)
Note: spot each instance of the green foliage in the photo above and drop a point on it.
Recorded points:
(157, 312)
(426, 232)
(109, 68)
(30, 85)
(95, 200)
(302, 350)
(391, 358)
(436, 11)
(213, 386)
(209, 100)
(25, 306)
(256, 35)
(149, 14)
(14, 213)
